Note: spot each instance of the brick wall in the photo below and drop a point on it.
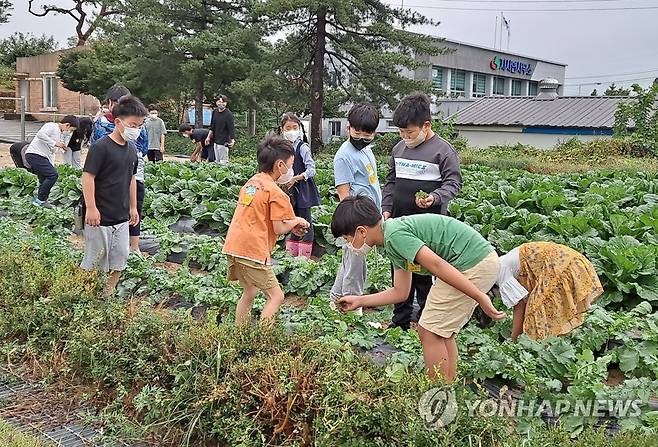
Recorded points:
(68, 102)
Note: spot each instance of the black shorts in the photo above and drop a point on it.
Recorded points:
(154, 155)
(16, 151)
(136, 230)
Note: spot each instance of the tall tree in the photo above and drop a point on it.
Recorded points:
(164, 49)
(86, 13)
(356, 42)
(5, 10)
(24, 45)
(197, 46)
(93, 70)
(20, 45)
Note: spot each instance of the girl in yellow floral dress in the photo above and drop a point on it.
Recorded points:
(549, 286)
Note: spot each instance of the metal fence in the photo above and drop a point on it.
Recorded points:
(21, 100)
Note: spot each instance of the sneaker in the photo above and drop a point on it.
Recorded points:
(36, 202)
(46, 204)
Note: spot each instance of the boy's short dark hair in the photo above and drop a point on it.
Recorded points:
(272, 149)
(129, 106)
(354, 212)
(71, 120)
(413, 110)
(363, 117)
(222, 97)
(184, 128)
(116, 92)
(154, 107)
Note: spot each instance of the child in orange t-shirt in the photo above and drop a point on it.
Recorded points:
(263, 213)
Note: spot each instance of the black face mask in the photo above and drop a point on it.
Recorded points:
(359, 143)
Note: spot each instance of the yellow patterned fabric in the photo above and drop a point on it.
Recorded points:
(562, 285)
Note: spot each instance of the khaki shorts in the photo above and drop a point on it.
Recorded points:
(251, 273)
(447, 309)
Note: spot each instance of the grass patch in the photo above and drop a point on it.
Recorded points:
(11, 437)
(570, 156)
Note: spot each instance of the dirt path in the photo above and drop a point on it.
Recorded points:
(6, 161)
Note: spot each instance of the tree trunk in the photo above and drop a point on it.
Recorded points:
(317, 80)
(198, 104)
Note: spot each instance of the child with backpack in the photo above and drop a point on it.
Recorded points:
(301, 188)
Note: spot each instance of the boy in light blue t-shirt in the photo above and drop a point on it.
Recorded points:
(355, 172)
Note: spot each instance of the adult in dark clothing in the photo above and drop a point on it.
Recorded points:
(222, 130)
(73, 151)
(422, 161)
(202, 150)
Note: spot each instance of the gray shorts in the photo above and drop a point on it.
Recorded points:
(221, 154)
(351, 275)
(72, 158)
(106, 248)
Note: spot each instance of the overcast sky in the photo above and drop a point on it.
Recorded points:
(605, 44)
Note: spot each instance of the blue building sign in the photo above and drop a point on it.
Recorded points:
(498, 63)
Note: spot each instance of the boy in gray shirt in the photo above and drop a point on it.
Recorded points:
(424, 176)
(156, 131)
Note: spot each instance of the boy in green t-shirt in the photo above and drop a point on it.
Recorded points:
(464, 263)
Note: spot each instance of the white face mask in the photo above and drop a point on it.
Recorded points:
(285, 178)
(362, 250)
(292, 135)
(130, 133)
(414, 142)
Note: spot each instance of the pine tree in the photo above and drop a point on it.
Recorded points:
(359, 43)
(5, 10)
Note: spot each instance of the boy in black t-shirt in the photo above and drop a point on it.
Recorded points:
(110, 192)
(202, 150)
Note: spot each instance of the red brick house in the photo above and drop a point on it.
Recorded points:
(46, 97)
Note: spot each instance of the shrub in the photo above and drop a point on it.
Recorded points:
(636, 120)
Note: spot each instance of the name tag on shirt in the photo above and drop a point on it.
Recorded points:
(250, 192)
(413, 268)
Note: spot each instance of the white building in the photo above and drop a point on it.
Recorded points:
(466, 73)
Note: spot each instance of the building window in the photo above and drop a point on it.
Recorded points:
(516, 87)
(335, 128)
(533, 88)
(437, 77)
(498, 86)
(49, 91)
(479, 85)
(458, 82)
